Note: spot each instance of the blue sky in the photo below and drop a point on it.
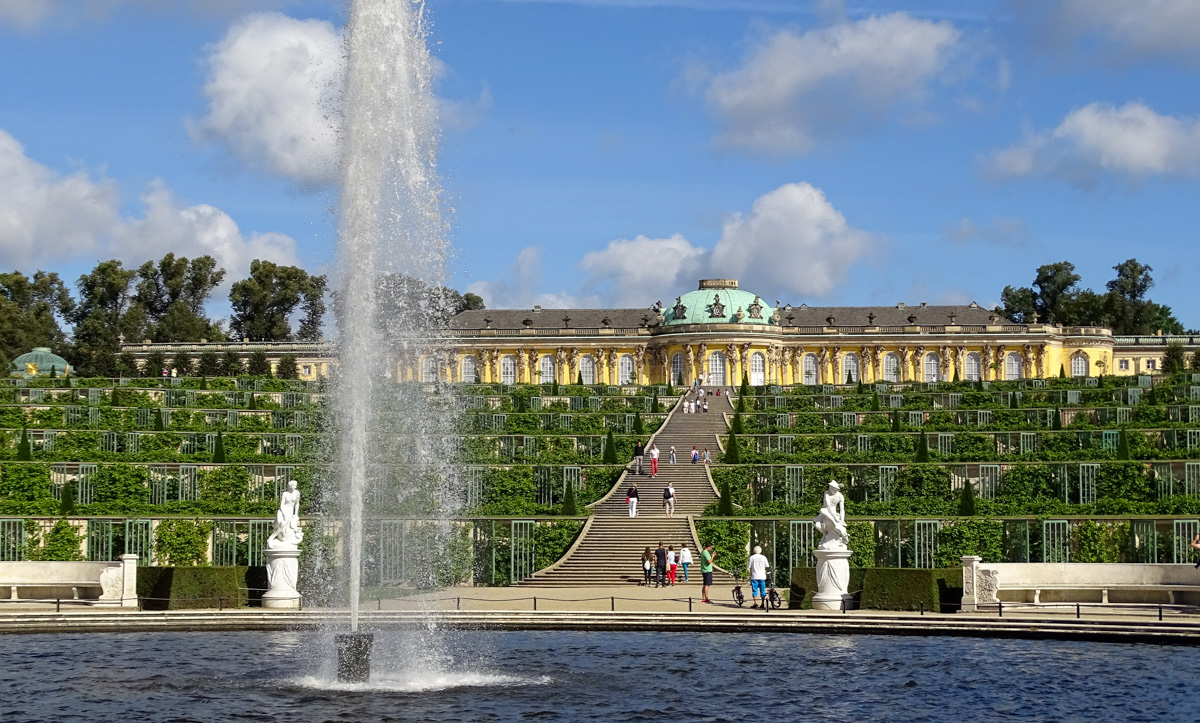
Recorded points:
(600, 152)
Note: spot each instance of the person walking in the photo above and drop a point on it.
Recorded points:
(669, 500)
(660, 566)
(653, 461)
(672, 457)
(631, 498)
(758, 566)
(707, 456)
(706, 406)
(647, 566)
(639, 452)
(671, 564)
(695, 455)
(706, 571)
(685, 559)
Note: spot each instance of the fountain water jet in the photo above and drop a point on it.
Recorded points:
(390, 228)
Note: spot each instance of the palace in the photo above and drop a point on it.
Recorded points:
(723, 332)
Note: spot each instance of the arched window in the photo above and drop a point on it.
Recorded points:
(1079, 365)
(808, 369)
(933, 368)
(508, 369)
(470, 373)
(758, 369)
(716, 369)
(547, 367)
(587, 369)
(429, 369)
(850, 368)
(972, 368)
(678, 369)
(891, 368)
(625, 370)
(1012, 366)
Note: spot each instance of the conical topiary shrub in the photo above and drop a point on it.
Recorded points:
(966, 500)
(725, 502)
(610, 448)
(1056, 422)
(735, 425)
(159, 425)
(639, 428)
(24, 449)
(922, 447)
(219, 449)
(569, 509)
(732, 455)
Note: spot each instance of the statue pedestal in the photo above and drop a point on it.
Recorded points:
(283, 570)
(833, 576)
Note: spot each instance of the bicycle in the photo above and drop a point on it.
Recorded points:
(772, 598)
(738, 596)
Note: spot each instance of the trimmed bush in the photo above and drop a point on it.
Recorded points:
(190, 588)
(888, 588)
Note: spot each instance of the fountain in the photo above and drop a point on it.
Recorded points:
(392, 251)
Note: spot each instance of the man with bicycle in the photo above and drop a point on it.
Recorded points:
(758, 566)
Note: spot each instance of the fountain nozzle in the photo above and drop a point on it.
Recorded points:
(354, 657)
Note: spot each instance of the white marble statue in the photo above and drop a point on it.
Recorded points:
(287, 534)
(831, 520)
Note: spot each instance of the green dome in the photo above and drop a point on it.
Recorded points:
(718, 301)
(42, 361)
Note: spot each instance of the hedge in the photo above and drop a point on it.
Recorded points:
(888, 588)
(191, 588)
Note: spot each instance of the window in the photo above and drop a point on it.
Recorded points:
(1079, 365)
(933, 368)
(758, 369)
(547, 367)
(891, 368)
(508, 370)
(850, 368)
(809, 369)
(587, 369)
(429, 370)
(1123, 365)
(972, 367)
(306, 370)
(1012, 366)
(1151, 365)
(716, 369)
(677, 369)
(470, 373)
(625, 370)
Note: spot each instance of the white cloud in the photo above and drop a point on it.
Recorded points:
(792, 241)
(25, 14)
(273, 89)
(1119, 28)
(517, 289)
(45, 216)
(1131, 141)
(791, 91)
(48, 219)
(1008, 232)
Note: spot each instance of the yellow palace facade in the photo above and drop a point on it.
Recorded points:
(720, 332)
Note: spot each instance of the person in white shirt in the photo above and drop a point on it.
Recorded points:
(685, 559)
(671, 565)
(653, 461)
(669, 500)
(758, 567)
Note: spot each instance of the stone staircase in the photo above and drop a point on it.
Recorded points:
(610, 549)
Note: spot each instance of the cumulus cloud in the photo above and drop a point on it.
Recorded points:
(1006, 232)
(791, 241)
(517, 289)
(47, 218)
(273, 88)
(791, 90)
(1118, 28)
(1131, 141)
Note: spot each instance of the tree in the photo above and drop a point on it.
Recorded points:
(287, 368)
(1056, 423)
(102, 316)
(159, 422)
(735, 425)
(579, 379)
(1018, 304)
(172, 294)
(30, 313)
(1174, 358)
(639, 427)
(156, 361)
(922, 447)
(875, 402)
(1055, 283)
(231, 364)
(569, 509)
(554, 388)
(1123, 445)
(127, 365)
(264, 303)
(219, 449)
(966, 500)
(259, 365)
(181, 362)
(732, 455)
(210, 364)
(24, 448)
(895, 421)
(1195, 367)
(725, 501)
(610, 449)
(1062, 371)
